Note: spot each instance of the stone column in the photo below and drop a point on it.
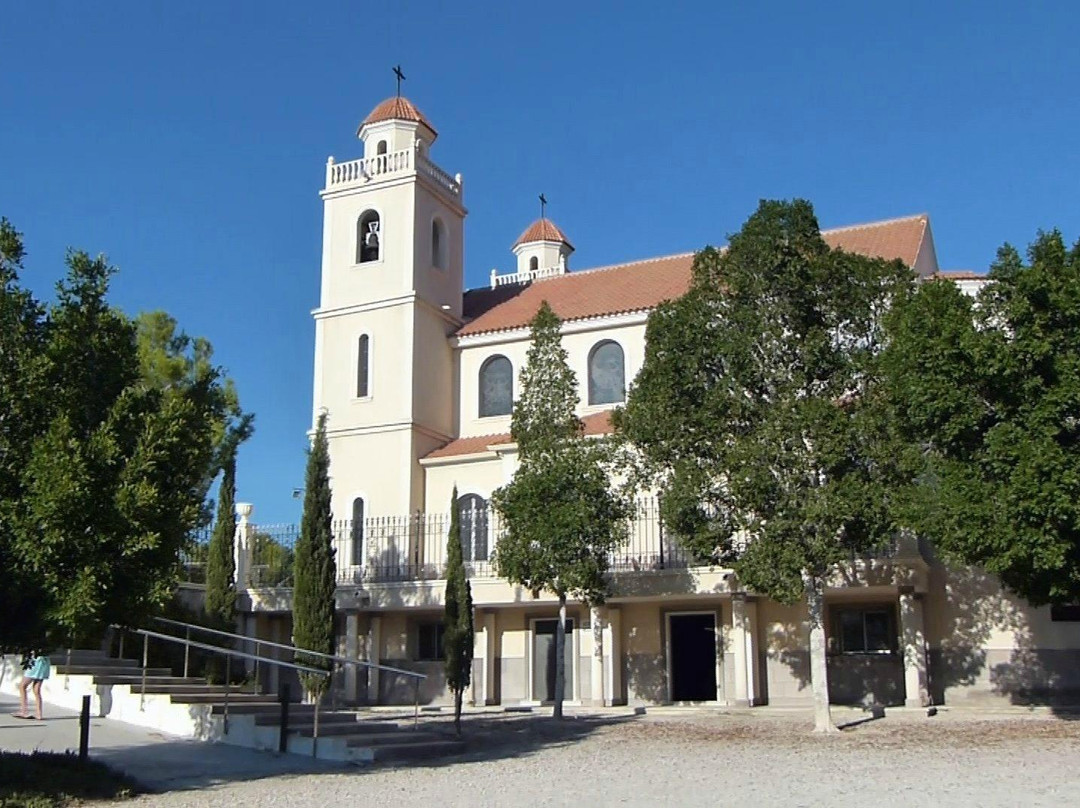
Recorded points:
(596, 667)
(612, 656)
(374, 655)
(489, 658)
(740, 643)
(477, 685)
(242, 544)
(913, 638)
(352, 651)
(753, 686)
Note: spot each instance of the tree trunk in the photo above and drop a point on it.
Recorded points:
(819, 671)
(457, 710)
(560, 659)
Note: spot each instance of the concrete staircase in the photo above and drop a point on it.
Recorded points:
(190, 707)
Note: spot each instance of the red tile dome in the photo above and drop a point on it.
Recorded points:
(543, 230)
(397, 108)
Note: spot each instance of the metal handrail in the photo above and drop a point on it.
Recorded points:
(269, 644)
(229, 654)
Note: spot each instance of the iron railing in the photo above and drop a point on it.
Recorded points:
(412, 547)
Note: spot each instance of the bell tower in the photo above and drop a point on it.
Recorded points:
(391, 295)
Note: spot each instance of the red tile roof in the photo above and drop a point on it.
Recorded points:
(542, 230)
(397, 108)
(599, 423)
(642, 285)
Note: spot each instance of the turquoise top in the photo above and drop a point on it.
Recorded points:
(39, 669)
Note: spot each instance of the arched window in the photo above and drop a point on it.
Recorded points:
(534, 264)
(438, 244)
(473, 527)
(381, 147)
(356, 531)
(368, 237)
(607, 377)
(363, 388)
(496, 386)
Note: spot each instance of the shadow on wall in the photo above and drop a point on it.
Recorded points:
(994, 642)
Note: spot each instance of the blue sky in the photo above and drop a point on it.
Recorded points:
(188, 142)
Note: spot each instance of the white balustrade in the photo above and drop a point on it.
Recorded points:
(381, 166)
(527, 275)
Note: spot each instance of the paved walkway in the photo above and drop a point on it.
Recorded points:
(159, 762)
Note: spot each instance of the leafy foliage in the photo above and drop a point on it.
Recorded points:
(313, 590)
(756, 410)
(986, 398)
(458, 629)
(102, 476)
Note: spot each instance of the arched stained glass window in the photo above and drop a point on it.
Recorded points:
(607, 374)
(473, 522)
(496, 386)
(356, 531)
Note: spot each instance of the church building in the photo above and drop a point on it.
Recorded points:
(417, 376)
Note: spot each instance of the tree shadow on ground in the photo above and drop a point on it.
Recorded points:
(178, 765)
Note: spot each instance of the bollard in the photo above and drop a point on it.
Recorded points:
(84, 728)
(283, 724)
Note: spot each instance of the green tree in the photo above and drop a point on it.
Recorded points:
(272, 561)
(986, 398)
(114, 477)
(220, 601)
(22, 392)
(561, 515)
(458, 629)
(316, 573)
(757, 411)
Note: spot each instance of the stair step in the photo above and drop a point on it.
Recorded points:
(109, 670)
(265, 708)
(368, 735)
(219, 698)
(197, 689)
(395, 738)
(416, 750)
(306, 719)
(135, 681)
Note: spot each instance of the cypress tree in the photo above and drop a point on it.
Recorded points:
(457, 616)
(220, 604)
(313, 590)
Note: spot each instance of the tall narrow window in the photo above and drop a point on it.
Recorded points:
(496, 386)
(381, 147)
(534, 264)
(362, 361)
(607, 376)
(356, 531)
(368, 237)
(438, 244)
(473, 519)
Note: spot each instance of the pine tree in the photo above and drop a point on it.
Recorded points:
(313, 590)
(221, 562)
(458, 631)
(562, 517)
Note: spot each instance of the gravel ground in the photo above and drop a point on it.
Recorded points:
(706, 760)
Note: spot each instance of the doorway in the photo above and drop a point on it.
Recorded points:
(543, 660)
(692, 654)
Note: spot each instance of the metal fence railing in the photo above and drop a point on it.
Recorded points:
(413, 547)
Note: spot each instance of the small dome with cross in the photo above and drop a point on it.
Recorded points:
(543, 230)
(397, 108)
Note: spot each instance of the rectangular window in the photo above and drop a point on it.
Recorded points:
(362, 367)
(864, 630)
(1065, 613)
(430, 641)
